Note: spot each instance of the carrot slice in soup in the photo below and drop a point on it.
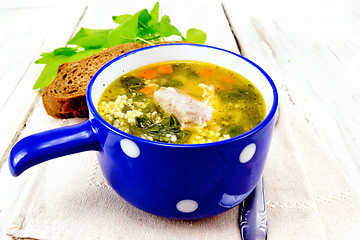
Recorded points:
(147, 90)
(219, 87)
(165, 69)
(227, 79)
(206, 72)
(148, 74)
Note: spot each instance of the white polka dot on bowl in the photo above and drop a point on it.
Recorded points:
(130, 148)
(187, 206)
(247, 153)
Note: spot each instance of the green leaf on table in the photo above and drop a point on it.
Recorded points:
(67, 51)
(196, 36)
(144, 19)
(165, 29)
(146, 33)
(90, 38)
(54, 59)
(142, 26)
(50, 71)
(126, 32)
(154, 14)
(122, 18)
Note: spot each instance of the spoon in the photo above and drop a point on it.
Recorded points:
(253, 215)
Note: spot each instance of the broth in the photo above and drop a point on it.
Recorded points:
(183, 102)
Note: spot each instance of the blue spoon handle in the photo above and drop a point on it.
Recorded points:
(253, 215)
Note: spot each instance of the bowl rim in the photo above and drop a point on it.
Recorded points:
(96, 115)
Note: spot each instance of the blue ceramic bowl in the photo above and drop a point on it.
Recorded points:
(170, 180)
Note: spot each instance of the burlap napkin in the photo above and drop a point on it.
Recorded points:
(308, 194)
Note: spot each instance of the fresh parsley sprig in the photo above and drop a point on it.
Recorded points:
(143, 26)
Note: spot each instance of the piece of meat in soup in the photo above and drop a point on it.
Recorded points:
(186, 109)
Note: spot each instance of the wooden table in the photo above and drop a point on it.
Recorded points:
(311, 49)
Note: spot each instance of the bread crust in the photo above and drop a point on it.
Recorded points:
(65, 97)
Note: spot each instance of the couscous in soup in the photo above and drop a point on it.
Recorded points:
(182, 102)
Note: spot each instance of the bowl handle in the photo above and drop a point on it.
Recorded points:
(44, 146)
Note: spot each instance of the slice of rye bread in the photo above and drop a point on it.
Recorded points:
(65, 97)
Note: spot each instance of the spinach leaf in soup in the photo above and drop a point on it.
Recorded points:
(233, 130)
(168, 130)
(140, 97)
(192, 73)
(173, 83)
(186, 69)
(150, 108)
(133, 84)
(144, 122)
(238, 94)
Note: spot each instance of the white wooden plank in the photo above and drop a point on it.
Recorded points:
(19, 50)
(18, 4)
(19, 44)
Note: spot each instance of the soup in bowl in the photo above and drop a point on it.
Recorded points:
(182, 102)
(181, 130)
